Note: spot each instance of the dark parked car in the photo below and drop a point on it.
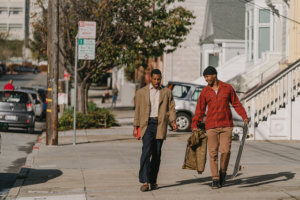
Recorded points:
(16, 110)
(2, 69)
(25, 68)
(186, 96)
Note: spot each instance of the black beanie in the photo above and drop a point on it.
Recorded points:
(210, 71)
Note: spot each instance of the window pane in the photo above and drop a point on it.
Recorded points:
(180, 91)
(248, 19)
(264, 16)
(252, 43)
(13, 97)
(264, 40)
(196, 94)
(213, 60)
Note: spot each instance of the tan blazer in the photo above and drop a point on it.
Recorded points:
(166, 110)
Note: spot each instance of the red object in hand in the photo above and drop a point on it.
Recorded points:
(138, 133)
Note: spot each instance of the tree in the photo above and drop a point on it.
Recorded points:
(129, 32)
(38, 44)
(10, 48)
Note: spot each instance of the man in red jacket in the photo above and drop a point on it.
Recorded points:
(217, 96)
(9, 86)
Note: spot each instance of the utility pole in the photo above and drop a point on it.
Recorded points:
(52, 75)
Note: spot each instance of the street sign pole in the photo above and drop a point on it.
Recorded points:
(75, 87)
(86, 51)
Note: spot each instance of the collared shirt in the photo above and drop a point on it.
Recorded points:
(154, 100)
(218, 112)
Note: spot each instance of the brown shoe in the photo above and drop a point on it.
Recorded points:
(153, 186)
(145, 187)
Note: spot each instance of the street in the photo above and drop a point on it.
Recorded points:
(17, 143)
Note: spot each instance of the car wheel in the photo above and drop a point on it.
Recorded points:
(183, 121)
(31, 130)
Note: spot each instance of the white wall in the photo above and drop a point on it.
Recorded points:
(126, 88)
(184, 63)
(227, 51)
(18, 19)
(284, 125)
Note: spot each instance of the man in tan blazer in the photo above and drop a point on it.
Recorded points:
(154, 108)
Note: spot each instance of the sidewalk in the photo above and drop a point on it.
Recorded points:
(105, 162)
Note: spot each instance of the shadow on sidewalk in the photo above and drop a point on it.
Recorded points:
(37, 176)
(188, 181)
(253, 181)
(99, 141)
(7, 180)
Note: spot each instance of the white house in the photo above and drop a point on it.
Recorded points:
(266, 40)
(222, 40)
(184, 64)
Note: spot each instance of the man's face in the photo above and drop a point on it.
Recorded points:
(210, 79)
(156, 80)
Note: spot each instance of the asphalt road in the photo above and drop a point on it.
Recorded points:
(17, 143)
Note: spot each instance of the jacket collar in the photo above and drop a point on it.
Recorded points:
(151, 86)
(221, 84)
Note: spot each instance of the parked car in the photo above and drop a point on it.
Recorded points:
(16, 110)
(24, 68)
(186, 96)
(38, 104)
(2, 69)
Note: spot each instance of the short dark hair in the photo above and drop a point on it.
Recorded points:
(155, 71)
(210, 70)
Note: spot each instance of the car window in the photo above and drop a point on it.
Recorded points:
(180, 90)
(34, 96)
(13, 97)
(196, 94)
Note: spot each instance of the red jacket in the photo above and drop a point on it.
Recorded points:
(9, 86)
(218, 108)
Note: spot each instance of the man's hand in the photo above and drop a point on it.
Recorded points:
(174, 126)
(246, 122)
(135, 132)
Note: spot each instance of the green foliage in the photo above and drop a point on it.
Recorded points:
(96, 118)
(10, 48)
(38, 43)
(128, 33)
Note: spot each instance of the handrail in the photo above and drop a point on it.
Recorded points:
(272, 79)
(262, 76)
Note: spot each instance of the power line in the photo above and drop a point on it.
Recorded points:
(257, 6)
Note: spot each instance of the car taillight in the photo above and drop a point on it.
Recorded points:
(29, 106)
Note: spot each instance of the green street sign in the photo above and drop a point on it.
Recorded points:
(81, 41)
(86, 49)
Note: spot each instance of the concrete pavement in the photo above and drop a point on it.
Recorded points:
(104, 165)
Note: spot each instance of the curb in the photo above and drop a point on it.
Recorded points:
(24, 171)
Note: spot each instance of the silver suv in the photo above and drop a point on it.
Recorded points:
(186, 96)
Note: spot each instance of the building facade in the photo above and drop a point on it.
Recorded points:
(184, 64)
(222, 40)
(14, 18)
(274, 100)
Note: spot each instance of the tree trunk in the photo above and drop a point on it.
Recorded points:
(86, 96)
(81, 86)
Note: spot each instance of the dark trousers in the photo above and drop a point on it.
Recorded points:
(151, 152)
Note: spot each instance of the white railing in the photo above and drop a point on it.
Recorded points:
(275, 93)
